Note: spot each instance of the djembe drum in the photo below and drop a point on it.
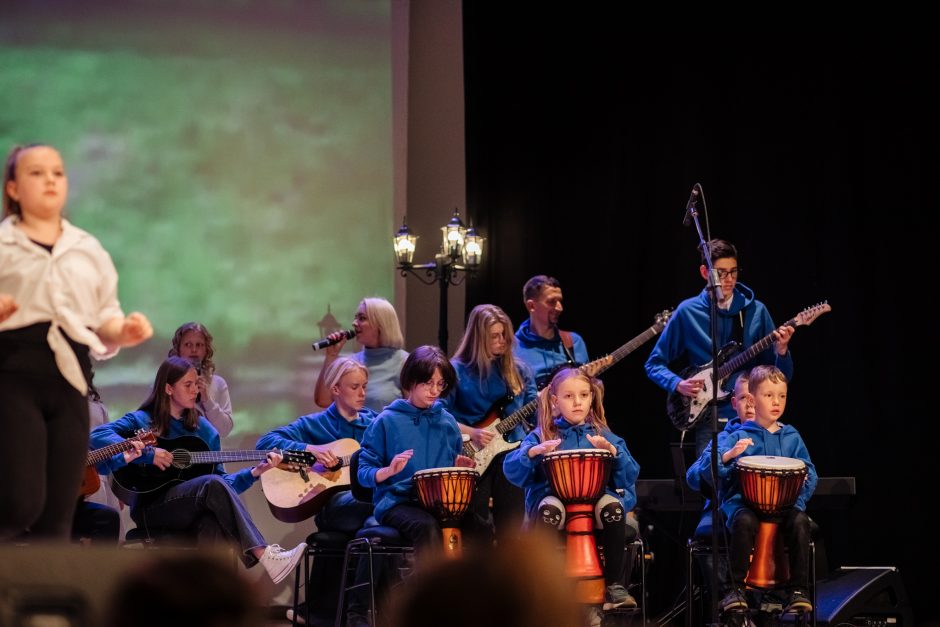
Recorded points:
(446, 493)
(578, 478)
(770, 486)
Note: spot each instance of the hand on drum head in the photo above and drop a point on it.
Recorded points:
(544, 447)
(739, 447)
(465, 462)
(601, 442)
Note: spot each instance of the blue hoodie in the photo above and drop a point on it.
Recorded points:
(786, 442)
(431, 432)
(687, 337)
(542, 355)
(127, 425)
(321, 428)
(700, 470)
(473, 397)
(528, 472)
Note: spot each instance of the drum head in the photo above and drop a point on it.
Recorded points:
(769, 462)
(445, 470)
(578, 452)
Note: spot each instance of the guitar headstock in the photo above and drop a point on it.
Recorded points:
(808, 315)
(662, 318)
(145, 437)
(298, 458)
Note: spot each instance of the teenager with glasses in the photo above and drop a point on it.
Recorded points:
(686, 340)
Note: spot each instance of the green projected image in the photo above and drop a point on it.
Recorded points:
(235, 160)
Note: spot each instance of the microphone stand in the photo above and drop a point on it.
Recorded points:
(714, 290)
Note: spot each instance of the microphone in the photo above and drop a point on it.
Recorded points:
(346, 335)
(690, 206)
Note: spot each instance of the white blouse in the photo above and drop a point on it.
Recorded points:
(74, 288)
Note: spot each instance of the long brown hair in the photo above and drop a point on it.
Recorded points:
(158, 403)
(547, 415)
(474, 349)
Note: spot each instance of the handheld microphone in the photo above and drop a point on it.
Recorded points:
(345, 335)
(690, 206)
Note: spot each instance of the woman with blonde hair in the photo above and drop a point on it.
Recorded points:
(379, 334)
(491, 384)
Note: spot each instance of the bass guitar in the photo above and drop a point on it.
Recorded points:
(297, 494)
(685, 412)
(91, 480)
(191, 458)
(492, 421)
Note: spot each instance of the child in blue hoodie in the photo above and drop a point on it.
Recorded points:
(765, 436)
(571, 416)
(346, 418)
(412, 433)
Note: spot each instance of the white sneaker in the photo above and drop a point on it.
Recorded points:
(279, 563)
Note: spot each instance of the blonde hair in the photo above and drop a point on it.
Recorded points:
(764, 373)
(474, 349)
(340, 368)
(381, 314)
(207, 368)
(546, 413)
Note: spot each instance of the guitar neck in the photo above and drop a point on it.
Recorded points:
(509, 423)
(737, 362)
(99, 455)
(607, 361)
(221, 457)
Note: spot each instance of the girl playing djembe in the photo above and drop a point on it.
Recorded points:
(571, 417)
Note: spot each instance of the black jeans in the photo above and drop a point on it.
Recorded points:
(208, 507)
(796, 538)
(508, 502)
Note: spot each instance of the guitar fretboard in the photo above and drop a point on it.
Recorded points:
(99, 455)
(221, 457)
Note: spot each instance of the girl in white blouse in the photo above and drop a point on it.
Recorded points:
(58, 306)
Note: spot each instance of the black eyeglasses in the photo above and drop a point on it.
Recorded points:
(724, 274)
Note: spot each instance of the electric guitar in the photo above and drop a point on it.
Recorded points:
(191, 458)
(686, 412)
(91, 480)
(297, 494)
(492, 421)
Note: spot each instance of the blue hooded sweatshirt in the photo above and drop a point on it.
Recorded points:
(321, 428)
(473, 396)
(542, 355)
(127, 425)
(687, 338)
(431, 432)
(529, 474)
(700, 470)
(786, 442)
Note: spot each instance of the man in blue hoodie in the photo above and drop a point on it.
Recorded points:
(541, 344)
(686, 340)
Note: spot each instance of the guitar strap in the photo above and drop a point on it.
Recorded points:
(567, 344)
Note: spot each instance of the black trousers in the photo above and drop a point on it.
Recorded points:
(45, 438)
(506, 516)
(796, 538)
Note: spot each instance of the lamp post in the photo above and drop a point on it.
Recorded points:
(461, 252)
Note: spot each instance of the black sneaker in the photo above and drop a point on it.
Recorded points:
(733, 601)
(798, 603)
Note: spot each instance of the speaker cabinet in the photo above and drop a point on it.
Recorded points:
(863, 596)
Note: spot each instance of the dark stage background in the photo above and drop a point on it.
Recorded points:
(818, 158)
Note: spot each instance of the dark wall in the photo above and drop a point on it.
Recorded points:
(818, 158)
